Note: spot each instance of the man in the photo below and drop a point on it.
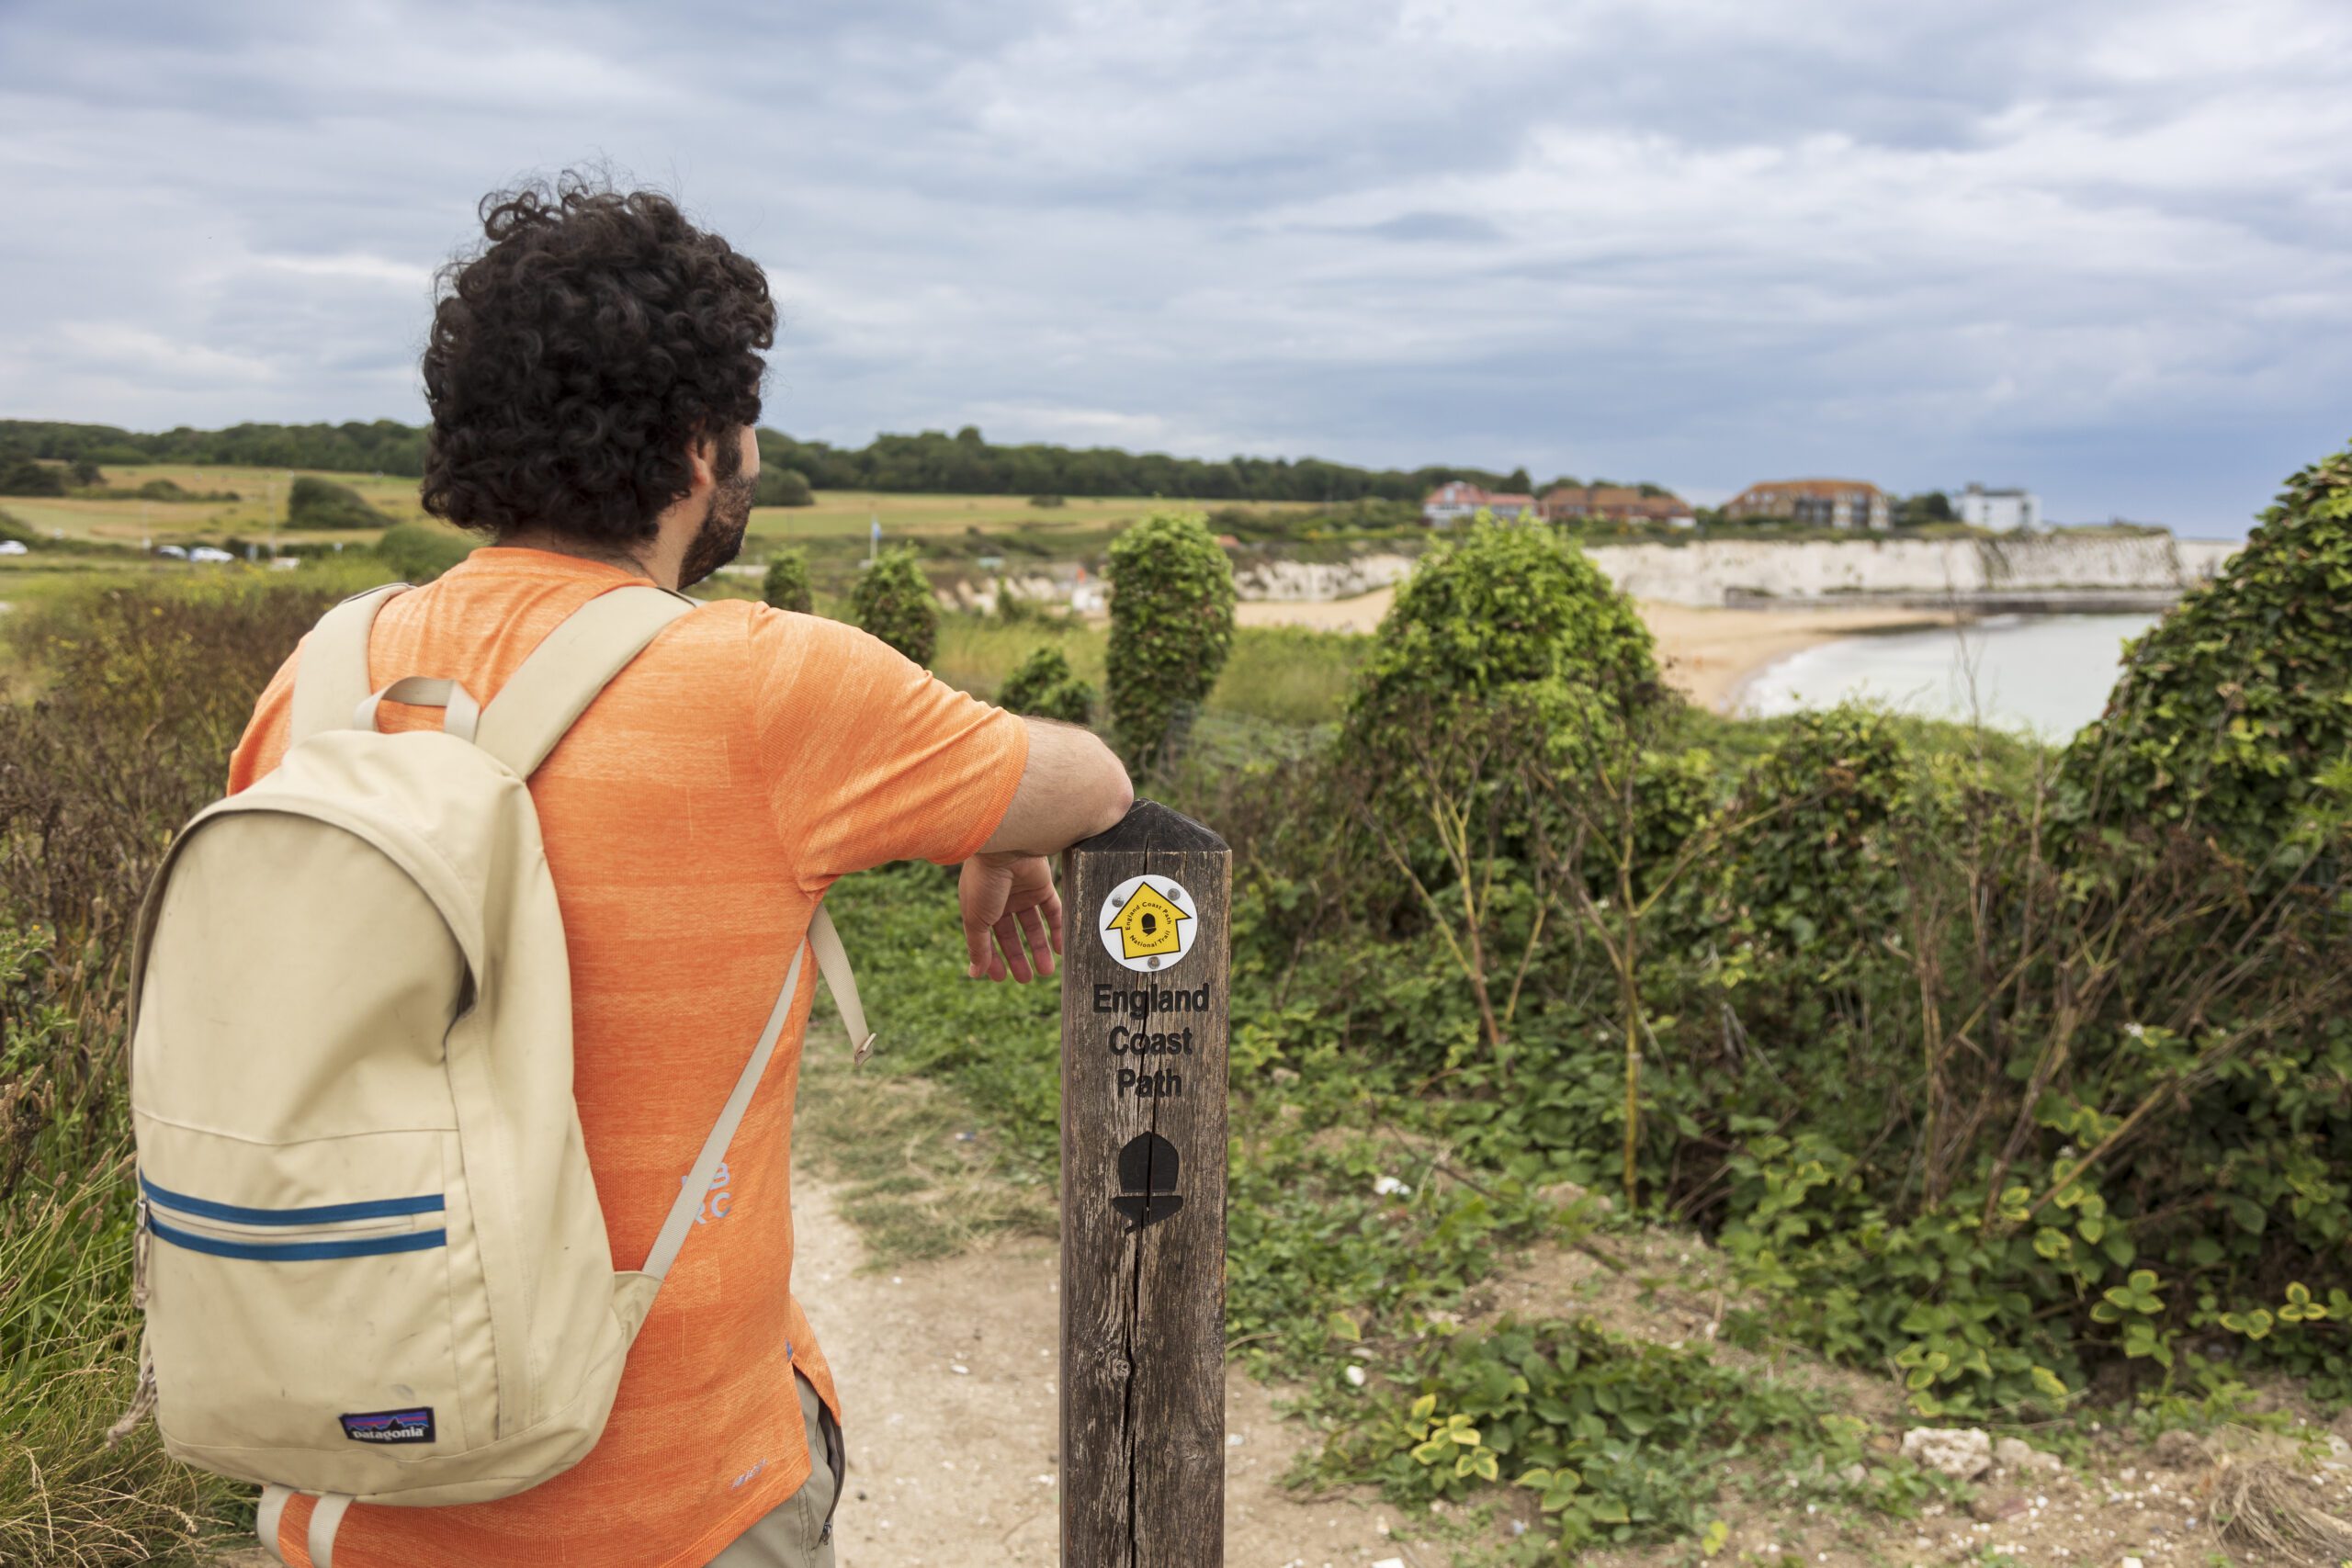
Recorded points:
(593, 376)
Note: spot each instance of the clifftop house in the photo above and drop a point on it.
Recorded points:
(1613, 503)
(2007, 510)
(1459, 499)
(1830, 503)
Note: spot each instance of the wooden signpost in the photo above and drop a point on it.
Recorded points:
(1145, 991)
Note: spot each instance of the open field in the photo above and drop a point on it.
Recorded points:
(261, 493)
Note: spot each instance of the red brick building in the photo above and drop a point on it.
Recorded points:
(1613, 503)
(1828, 503)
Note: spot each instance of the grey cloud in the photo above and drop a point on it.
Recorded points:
(2097, 251)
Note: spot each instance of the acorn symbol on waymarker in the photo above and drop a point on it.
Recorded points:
(1147, 1169)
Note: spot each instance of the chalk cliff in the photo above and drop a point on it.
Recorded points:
(1703, 572)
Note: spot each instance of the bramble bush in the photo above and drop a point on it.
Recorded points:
(1042, 684)
(893, 600)
(785, 584)
(1171, 628)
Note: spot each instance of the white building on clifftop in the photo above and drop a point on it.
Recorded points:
(2005, 511)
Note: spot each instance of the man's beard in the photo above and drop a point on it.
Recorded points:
(720, 537)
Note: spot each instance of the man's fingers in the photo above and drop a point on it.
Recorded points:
(1053, 908)
(977, 944)
(1041, 951)
(1008, 937)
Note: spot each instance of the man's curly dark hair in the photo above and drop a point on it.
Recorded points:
(579, 353)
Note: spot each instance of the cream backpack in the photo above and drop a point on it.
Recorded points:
(370, 1252)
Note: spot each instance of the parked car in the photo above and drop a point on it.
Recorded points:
(172, 552)
(207, 553)
(12, 547)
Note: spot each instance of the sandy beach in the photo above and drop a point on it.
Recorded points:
(1709, 654)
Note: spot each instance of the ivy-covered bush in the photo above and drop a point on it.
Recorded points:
(1508, 617)
(893, 600)
(1171, 628)
(314, 503)
(1813, 881)
(785, 584)
(1042, 684)
(2234, 707)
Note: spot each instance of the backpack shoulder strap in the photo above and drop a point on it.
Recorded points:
(826, 944)
(570, 667)
(331, 682)
(554, 686)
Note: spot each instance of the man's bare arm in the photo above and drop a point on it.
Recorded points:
(1073, 787)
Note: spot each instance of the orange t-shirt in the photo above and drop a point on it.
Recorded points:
(693, 818)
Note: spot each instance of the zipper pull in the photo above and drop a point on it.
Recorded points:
(138, 1253)
(143, 1402)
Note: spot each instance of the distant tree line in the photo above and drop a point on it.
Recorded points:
(383, 447)
(964, 462)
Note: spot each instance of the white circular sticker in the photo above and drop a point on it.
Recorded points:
(1148, 923)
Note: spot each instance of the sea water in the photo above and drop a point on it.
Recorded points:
(2045, 675)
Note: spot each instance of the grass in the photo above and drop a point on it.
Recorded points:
(69, 1341)
(1284, 676)
(838, 515)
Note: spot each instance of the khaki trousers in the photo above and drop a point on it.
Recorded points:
(798, 1533)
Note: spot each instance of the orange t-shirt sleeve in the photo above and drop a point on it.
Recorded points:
(868, 756)
(265, 740)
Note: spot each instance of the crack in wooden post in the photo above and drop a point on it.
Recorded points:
(1143, 1076)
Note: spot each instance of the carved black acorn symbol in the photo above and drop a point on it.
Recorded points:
(1148, 1167)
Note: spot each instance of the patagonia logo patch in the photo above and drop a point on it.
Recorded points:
(390, 1426)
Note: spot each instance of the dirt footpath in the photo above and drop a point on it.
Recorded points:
(951, 1432)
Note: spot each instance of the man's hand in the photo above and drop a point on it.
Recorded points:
(1009, 899)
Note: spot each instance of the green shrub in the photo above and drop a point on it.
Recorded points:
(2232, 708)
(1816, 881)
(1047, 500)
(25, 476)
(893, 600)
(1171, 626)
(1044, 686)
(783, 487)
(314, 503)
(785, 584)
(1507, 619)
(416, 552)
(1618, 1441)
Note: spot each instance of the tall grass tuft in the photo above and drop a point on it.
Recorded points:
(138, 697)
(68, 1348)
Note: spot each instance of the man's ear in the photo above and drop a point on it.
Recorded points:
(701, 452)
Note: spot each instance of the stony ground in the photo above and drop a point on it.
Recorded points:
(953, 1454)
(946, 1367)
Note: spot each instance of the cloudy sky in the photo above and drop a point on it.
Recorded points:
(2101, 250)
